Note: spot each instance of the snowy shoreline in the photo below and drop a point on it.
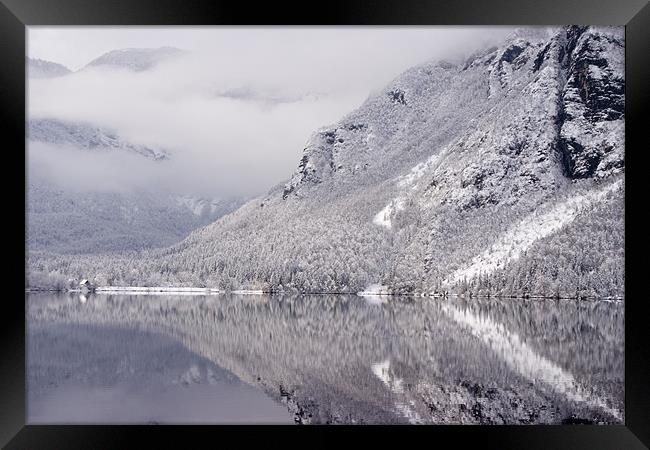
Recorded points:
(173, 290)
(163, 290)
(156, 289)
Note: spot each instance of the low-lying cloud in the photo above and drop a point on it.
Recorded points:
(236, 111)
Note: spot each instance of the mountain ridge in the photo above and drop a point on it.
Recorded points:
(450, 156)
(87, 136)
(135, 59)
(41, 68)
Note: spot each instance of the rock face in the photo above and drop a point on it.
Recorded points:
(521, 117)
(592, 125)
(430, 172)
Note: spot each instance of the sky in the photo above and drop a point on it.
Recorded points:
(289, 82)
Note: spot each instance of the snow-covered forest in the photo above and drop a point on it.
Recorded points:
(499, 175)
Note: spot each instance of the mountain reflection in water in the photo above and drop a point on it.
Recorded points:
(323, 359)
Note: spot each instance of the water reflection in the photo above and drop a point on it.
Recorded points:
(333, 359)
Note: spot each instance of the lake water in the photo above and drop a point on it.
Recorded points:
(322, 359)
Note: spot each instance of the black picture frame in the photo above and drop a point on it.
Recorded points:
(15, 15)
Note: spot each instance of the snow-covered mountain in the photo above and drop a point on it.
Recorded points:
(209, 208)
(502, 174)
(71, 221)
(87, 136)
(270, 97)
(39, 68)
(63, 221)
(136, 59)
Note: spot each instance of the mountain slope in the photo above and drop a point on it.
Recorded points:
(68, 220)
(135, 59)
(40, 68)
(86, 136)
(92, 217)
(427, 175)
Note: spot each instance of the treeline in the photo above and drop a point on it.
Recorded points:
(278, 248)
(584, 259)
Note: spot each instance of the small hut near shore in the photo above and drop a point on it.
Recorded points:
(85, 285)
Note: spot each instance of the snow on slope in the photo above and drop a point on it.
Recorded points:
(214, 207)
(408, 181)
(512, 127)
(383, 217)
(524, 234)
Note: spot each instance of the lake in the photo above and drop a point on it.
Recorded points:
(231, 358)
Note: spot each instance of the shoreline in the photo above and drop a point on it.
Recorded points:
(159, 290)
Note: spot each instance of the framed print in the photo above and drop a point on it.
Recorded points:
(406, 219)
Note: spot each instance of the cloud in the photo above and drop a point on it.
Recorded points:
(237, 110)
(77, 170)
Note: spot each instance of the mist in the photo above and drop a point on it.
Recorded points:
(234, 112)
(79, 170)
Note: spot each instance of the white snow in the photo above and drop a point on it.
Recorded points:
(156, 290)
(524, 234)
(374, 289)
(416, 173)
(383, 217)
(524, 360)
(196, 205)
(87, 136)
(201, 206)
(375, 294)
